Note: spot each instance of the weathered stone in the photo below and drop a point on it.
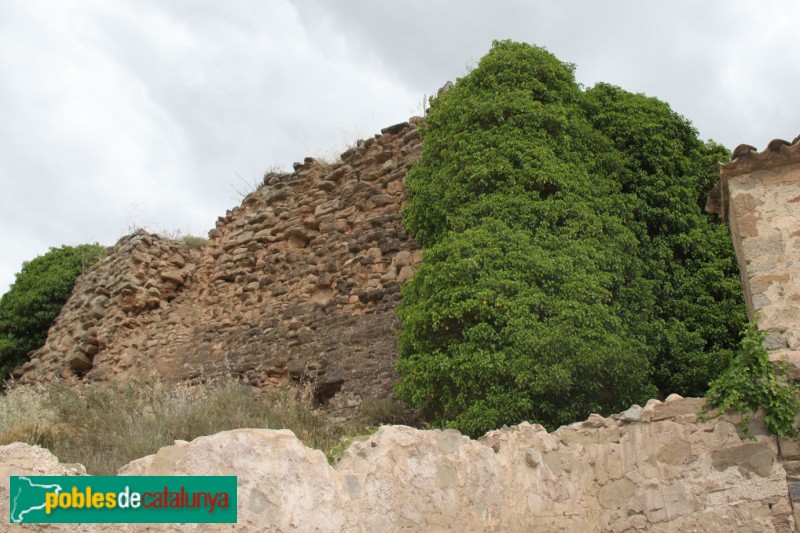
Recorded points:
(296, 369)
(402, 258)
(450, 440)
(763, 245)
(395, 128)
(175, 276)
(382, 199)
(327, 186)
(751, 457)
(683, 406)
(296, 231)
(405, 274)
(675, 452)
(594, 421)
(616, 494)
(327, 207)
(79, 362)
(276, 196)
(790, 449)
(633, 414)
(403, 477)
(794, 491)
(774, 341)
(532, 457)
(327, 385)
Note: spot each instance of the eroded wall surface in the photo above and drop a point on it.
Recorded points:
(298, 283)
(656, 468)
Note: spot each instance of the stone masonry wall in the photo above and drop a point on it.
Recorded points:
(759, 196)
(656, 468)
(298, 283)
(759, 193)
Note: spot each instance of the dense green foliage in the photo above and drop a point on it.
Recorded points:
(752, 382)
(568, 266)
(35, 298)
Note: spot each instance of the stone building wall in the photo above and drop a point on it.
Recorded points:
(298, 283)
(759, 195)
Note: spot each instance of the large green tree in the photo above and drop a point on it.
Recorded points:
(568, 267)
(35, 298)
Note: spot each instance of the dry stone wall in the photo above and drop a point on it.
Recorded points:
(298, 283)
(655, 469)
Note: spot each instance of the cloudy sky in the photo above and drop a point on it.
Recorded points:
(158, 114)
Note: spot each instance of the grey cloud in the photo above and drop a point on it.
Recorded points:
(150, 113)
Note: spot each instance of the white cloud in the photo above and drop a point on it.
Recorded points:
(152, 113)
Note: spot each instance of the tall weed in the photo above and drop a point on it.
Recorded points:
(106, 425)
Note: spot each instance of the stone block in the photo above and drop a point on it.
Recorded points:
(616, 494)
(79, 362)
(395, 128)
(327, 207)
(532, 457)
(790, 449)
(751, 457)
(684, 406)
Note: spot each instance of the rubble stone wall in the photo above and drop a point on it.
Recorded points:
(656, 468)
(298, 283)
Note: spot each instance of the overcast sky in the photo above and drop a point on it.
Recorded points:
(157, 114)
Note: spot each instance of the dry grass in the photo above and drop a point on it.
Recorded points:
(106, 425)
(193, 241)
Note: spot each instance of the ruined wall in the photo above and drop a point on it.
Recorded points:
(759, 194)
(655, 468)
(298, 283)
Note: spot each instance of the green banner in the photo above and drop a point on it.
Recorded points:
(122, 499)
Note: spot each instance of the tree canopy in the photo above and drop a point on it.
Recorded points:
(568, 266)
(35, 298)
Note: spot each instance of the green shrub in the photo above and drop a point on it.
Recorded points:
(35, 298)
(694, 320)
(752, 382)
(568, 267)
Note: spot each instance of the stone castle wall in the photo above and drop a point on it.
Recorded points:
(298, 283)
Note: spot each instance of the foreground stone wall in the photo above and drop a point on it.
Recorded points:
(655, 468)
(298, 283)
(759, 195)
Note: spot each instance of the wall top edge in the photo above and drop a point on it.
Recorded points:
(746, 158)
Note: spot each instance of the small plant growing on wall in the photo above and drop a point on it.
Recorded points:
(752, 383)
